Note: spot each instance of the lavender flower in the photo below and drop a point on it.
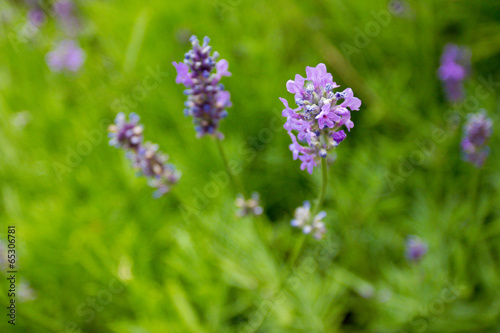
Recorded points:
(318, 119)
(65, 13)
(126, 134)
(36, 17)
(207, 99)
(477, 132)
(145, 157)
(415, 248)
(307, 223)
(400, 8)
(66, 56)
(250, 206)
(454, 69)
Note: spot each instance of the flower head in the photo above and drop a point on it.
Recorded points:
(126, 134)
(36, 17)
(477, 132)
(309, 224)
(454, 69)
(145, 157)
(152, 163)
(66, 56)
(415, 248)
(250, 206)
(400, 8)
(201, 74)
(319, 117)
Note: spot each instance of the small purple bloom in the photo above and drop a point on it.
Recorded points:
(36, 17)
(126, 134)
(339, 136)
(145, 157)
(308, 223)
(249, 207)
(182, 74)
(320, 115)
(297, 86)
(207, 99)
(66, 56)
(308, 163)
(415, 248)
(400, 8)
(477, 132)
(65, 13)
(454, 69)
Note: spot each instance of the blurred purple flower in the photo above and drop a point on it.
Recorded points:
(415, 248)
(454, 69)
(65, 13)
(63, 8)
(400, 8)
(207, 100)
(36, 17)
(126, 134)
(250, 206)
(477, 132)
(319, 117)
(66, 56)
(145, 157)
(308, 223)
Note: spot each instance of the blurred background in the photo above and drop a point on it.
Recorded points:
(96, 253)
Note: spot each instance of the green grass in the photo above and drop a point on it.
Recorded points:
(87, 227)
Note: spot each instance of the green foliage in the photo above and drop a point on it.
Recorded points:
(88, 228)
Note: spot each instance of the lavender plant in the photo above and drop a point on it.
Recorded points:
(66, 56)
(36, 17)
(248, 207)
(454, 69)
(477, 132)
(318, 120)
(207, 101)
(319, 117)
(308, 223)
(145, 157)
(415, 248)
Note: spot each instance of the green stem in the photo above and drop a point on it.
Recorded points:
(476, 223)
(473, 190)
(298, 246)
(321, 198)
(234, 179)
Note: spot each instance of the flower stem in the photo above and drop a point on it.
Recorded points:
(321, 198)
(234, 179)
(298, 246)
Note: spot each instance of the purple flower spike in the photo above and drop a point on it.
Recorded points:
(477, 132)
(66, 56)
(320, 115)
(415, 248)
(454, 69)
(201, 74)
(145, 157)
